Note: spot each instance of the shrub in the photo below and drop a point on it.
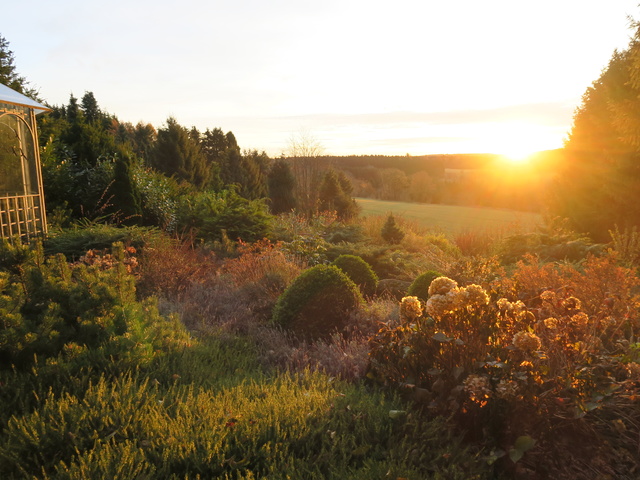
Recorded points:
(420, 286)
(390, 232)
(505, 371)
(317, 302)
(210, 214)
(359, 272)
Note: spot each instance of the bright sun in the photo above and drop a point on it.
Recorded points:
(521, 141)
(519, 155)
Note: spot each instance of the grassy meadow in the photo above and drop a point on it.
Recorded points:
(452, 219)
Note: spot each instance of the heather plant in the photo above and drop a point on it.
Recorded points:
(310, 425)
(317, 303)
(359, 272)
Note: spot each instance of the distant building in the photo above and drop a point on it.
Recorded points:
(22, 211)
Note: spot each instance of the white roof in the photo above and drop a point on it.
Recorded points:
(8, 95)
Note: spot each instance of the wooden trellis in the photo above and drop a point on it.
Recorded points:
(22, 209)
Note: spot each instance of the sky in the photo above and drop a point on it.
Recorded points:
(361, 77)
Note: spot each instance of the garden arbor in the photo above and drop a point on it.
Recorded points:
(22, 211)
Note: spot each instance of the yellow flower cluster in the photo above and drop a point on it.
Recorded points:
(474, 295)
(441, 286)
(478, 388)
(580, 320)
(445, 297)
(551, 323)
(548, 296)
(516, 309)
(410, 308)
(526, 341)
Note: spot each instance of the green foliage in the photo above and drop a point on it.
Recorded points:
(390, 232)
(281, 184)
(334, 194)
(8, 74)
(597, 188)
(359, 272)
(75, 242)
(177, 154)
(126, 202)
(420, 286)
(309, 426)
(317, 302)
(87, 314)
(209, 214)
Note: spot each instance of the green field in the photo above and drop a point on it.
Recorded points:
(450, 218)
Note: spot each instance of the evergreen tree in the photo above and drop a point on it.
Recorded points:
(281, 187)
(90, 107)
(126, 196)
(390, 232)
(597, 188)
(8, 74)
(177, 154)
(332, 196)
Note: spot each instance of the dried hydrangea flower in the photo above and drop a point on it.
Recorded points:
(572, 303)
(474, 295)
(507, 389)
(410, 308)
(478, 388)
(527, 342)
(442, 286)
(439, 305)
(548, 296)
(580, 320)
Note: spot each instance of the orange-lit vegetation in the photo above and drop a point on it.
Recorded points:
(234, 330)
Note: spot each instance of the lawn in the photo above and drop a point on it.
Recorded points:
(450, 218)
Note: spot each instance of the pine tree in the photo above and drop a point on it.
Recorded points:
(281, 187)
(8, 74)
(390, 232)
(177, 154)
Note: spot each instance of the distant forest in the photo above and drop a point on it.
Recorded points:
(454, 179)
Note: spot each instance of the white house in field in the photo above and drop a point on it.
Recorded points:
(22, 212)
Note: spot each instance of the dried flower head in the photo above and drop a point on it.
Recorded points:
(474, 295)
(507, 389)
(442, 286)
(525, 341)
(516, 309)
(551, 323)
(478, 388)
(548, 296)
(439, 305)
(503, 304)
(572, 303)
(410, 308)
(580, 320)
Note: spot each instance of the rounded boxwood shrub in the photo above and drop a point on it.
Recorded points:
(317, 302)
(359, 271)
(420, 286)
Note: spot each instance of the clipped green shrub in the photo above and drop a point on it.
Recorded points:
(359, 271)
(317, 302)
(420, 286)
